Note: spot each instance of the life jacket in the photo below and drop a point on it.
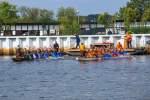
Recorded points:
(45, 55)
(99, 52)
(82, 47)
(54, 54)
(38, 55)
(129, 37)
(89, 54)
(119, 47)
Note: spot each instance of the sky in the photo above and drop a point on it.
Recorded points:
(84, 7)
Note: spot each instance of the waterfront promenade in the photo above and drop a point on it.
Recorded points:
(9, 43)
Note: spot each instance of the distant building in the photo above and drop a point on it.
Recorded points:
(89, 27)
(25, 29)
(93, 18)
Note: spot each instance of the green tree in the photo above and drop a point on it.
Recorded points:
(67, 18)
(8, 13)
(29, 15)
(75, 26)
(145, 18)
(129, 16)
(135, 10)
(139, 7)
(65, 27)
(146, 15)
(35, 15)
(119, 15)
(105, 19)
(46, 16)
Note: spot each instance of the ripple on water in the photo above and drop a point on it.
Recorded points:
(121, 79)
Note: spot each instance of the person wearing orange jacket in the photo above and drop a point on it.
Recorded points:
(129, 40)
(119, 47)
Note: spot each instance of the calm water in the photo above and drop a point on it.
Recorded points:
(71, 80)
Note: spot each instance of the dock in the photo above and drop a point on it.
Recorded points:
(73, 52)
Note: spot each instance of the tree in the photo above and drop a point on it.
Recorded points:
(65, 27)
(105, 19)
(46, 16)
(135, 10)
(119, 15)
(61, 13)
(139, 7)
(129, 16)
(75, 26)
(35, 15)
(67, 18)
(29, 15)
(8, 13)
(146, 15)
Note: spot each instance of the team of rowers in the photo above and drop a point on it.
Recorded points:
(93, 52)
(40, 53)
(102, 51)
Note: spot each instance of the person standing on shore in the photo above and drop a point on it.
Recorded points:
(77, 40)
(129, 40)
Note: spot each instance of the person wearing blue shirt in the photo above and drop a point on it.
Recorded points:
(77, 40)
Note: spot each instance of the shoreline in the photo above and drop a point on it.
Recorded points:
(12, 51)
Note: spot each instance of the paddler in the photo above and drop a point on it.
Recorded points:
(96, 52)
(56, 46)
(18, 51)
(89, 53)
(119, 47)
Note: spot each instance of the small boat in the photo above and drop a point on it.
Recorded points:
(87, 59)
(18, 59)
(118, 57)
(55, 58)
(103, 58)
(122, 57)
(74, 52)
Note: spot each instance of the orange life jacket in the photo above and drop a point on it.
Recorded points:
(129, 37)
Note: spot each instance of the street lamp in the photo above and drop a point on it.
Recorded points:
(78, 16)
